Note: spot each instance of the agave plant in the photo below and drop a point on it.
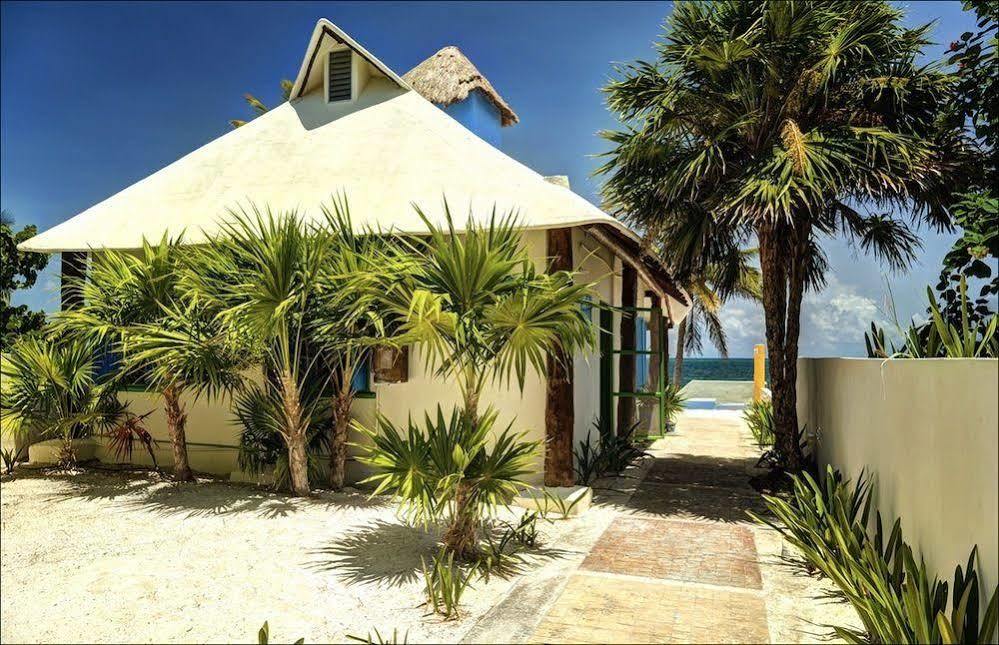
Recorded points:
(49, 390)
(454, 469)
(759, 417)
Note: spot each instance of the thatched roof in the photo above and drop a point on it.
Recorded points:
(448, 76)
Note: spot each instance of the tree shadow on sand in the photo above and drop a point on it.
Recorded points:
(391, 554)
(151, 492)
(384, 553)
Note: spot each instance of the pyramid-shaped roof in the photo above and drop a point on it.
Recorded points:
(385, 151)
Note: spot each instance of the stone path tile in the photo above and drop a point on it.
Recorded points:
(709, 503)
(602, 609)
(726, 472)
(677, 550)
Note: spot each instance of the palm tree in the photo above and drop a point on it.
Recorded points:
(348, 316)
(781, 121)
(133, 307)
(49, 389)
(480, 312)
(259, 278)
(258, 107)
(708, 293)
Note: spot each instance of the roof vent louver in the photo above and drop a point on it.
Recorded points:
(339, 75)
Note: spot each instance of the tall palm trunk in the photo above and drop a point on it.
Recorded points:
(681, 337)
(296, 435)
(783, 287)
(338, 441)
(176, 421)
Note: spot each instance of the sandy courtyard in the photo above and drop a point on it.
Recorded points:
(124, 557)
(110, 557)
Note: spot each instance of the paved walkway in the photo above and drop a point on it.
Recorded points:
(682, 562)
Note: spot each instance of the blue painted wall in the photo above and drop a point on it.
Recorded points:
(478, 115)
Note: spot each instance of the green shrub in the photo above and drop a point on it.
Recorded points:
(48, 389)
(611, 454)
(895, 598)
(673, 401)
(452, 469)
(445, 581)
(759, 416)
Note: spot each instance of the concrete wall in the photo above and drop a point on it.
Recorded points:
(928, 430)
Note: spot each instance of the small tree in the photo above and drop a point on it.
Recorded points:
(48, 389)
(479, 311)
(348, 317)
(18, 270)
(134, 308)
(260, 277)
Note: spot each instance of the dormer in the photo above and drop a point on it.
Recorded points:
(336, 66)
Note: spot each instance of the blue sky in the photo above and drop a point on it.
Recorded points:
(97, 96)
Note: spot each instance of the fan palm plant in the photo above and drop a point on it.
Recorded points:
(480, 312)
(475, 304)
(133, 306)
(259, 277)
(49, 389)
(776, 121)
(348, 316)
(453, 467)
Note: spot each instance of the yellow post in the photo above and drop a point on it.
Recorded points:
(759, 371)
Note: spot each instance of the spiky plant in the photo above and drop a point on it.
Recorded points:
(48, 390)
(259, 277)
(474, 303)
(454, 468)
(134, 308)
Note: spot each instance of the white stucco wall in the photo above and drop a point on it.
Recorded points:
(929, 431)
(211, 422)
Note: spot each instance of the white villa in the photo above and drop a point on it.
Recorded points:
(386, 141)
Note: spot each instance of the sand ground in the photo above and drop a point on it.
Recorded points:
(125, 557)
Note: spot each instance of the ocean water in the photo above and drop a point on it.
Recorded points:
(715, 369)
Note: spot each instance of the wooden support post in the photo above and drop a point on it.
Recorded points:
(626, 360)
(559, 407)
(74, 270)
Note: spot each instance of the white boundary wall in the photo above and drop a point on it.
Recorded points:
(928, 430)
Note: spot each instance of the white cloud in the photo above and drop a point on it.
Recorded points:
(833, 322)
